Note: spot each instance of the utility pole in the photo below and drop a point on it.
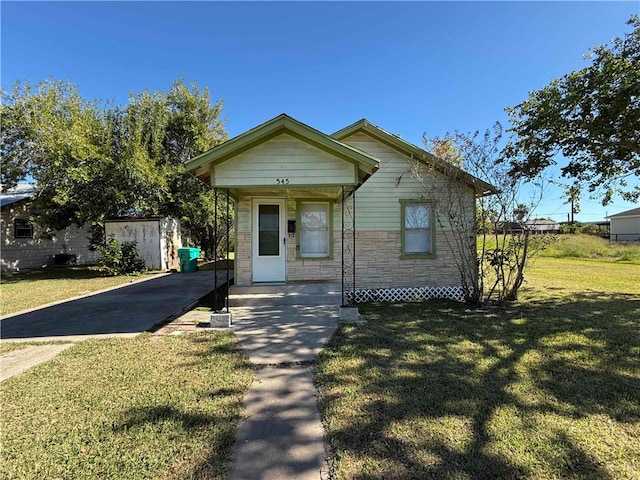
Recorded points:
(571, 210)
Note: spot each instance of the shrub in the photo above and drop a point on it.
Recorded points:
(121, 258)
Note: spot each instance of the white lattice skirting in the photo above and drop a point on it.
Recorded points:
(404, 294)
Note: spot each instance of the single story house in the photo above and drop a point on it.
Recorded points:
(625, 226)
(313, 207)
(23, 243)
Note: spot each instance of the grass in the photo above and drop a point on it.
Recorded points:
(148, 407)
(549, 278)
(583, 246)
(549, 388)
(590, 246)
(32, 288)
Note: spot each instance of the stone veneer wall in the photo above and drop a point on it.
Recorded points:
(378, 263)
(329, 269)
(242, 271)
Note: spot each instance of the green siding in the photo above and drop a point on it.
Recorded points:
(378, 199)
(285, 162)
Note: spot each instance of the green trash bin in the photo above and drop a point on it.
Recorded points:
(188, 259)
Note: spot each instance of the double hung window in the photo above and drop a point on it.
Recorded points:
(417, 229)
(315, 229)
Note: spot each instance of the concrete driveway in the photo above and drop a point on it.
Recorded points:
(125, 311)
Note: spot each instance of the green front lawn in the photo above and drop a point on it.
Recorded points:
(148, 407)
(549, 388)
(32, 288)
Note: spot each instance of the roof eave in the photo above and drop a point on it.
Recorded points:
(481, 188)
(282, 124)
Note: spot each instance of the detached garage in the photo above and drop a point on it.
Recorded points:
(625, 226)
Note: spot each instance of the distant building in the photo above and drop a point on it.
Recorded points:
(625, 226)
(535, 226)
(22, 245)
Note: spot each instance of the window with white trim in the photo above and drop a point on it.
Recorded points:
(315, 229)
(417, 229)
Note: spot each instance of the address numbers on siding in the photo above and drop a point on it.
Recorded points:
(282, 181)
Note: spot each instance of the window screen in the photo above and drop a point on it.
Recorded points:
(314, 229)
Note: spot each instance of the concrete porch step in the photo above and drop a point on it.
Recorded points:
(285, 294)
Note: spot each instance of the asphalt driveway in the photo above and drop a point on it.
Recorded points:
(126, 311)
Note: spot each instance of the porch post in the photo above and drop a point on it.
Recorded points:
(215, 248)
(344, 300)
(353, 219)
(226, 296)
(348, 248)
(220, 318)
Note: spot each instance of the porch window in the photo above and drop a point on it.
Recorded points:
(417, 230)
(22, 228)
(315, 229)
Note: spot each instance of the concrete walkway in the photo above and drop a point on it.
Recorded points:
(18, 361)
(284, 334)
(283, 438)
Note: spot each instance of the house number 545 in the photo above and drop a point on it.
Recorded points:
(282, 181)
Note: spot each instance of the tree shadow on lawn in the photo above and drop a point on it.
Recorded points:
(202, 434)
(507, 377)
(227, 344)
(215, 430)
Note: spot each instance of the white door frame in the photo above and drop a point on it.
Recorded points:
(269, 268)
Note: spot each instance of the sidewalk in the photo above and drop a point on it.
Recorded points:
(283, 438)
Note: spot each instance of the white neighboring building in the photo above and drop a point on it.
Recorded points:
(21, 245)
(625, 226)
(157, 239)
(542, 226)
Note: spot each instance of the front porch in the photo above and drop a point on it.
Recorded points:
(293, 190)
(294, 293)
(287, 323)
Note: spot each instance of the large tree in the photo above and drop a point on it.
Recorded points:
(92, 160)
(591, 117)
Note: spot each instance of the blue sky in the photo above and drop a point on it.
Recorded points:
(410, 67)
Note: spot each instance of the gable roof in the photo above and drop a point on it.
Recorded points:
(283, 124)
(481, 187)
(629, 213)
(20, 193)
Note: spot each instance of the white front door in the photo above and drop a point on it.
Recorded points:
(269, 253)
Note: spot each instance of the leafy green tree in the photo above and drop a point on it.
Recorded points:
(591, 117)
(92, 161)
(59, 139)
